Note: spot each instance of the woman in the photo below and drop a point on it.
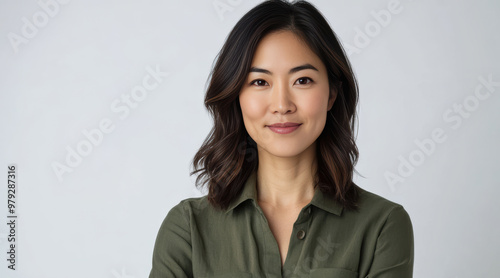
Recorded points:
(279, 163)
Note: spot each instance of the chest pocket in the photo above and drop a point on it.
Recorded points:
(332, 272)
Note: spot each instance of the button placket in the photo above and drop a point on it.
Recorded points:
(305, 214)
(300, 228)
(301, 234)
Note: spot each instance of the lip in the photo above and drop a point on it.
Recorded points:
(287, 124)
(284, 128)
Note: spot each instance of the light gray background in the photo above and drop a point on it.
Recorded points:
(101, 219)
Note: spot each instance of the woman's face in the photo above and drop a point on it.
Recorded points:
(287, 83)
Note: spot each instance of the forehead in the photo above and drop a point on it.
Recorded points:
(284, 50)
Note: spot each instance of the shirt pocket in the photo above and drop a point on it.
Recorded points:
(333, 272)
(229, 275)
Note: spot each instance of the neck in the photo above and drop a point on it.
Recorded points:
(286, 182)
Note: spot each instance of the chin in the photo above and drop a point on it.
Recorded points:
(286, 150)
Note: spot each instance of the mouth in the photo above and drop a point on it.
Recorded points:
(287, 124)
(280, 129)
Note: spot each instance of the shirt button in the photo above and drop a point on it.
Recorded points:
(309, 210)
(301, 234)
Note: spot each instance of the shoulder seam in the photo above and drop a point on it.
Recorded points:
(395, 207)
(183, 205)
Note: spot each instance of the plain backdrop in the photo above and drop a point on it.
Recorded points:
(428, 129)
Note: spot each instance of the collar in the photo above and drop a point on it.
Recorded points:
(319, 199)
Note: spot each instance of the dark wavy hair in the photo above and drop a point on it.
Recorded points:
(228, 155)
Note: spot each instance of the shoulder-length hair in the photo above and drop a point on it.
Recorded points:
(228, 155)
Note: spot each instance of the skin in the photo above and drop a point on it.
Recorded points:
(287, 162)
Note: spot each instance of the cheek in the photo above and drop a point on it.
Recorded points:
(316, 105)
(315, 109)
(251, 108)
(252, 112)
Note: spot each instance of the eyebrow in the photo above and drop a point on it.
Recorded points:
(293, 70)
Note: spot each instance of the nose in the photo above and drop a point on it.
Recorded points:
(282, 99)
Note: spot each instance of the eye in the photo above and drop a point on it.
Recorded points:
(258, 81)
(304, 79)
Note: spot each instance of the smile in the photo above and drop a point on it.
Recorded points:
(283, 130)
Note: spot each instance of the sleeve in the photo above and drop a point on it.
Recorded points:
(393, 257)
(172, 250)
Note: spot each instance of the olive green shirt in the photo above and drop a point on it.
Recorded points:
(196, 240)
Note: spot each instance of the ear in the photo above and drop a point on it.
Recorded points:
(331, 100)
